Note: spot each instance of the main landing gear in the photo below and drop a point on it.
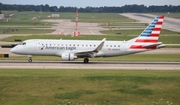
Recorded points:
(86, 60)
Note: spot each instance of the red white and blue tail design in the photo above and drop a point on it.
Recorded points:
(148, 39)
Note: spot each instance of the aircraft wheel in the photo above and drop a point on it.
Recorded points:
(86, 60)
(30, 60)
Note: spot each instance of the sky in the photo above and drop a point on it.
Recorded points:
(92, 3)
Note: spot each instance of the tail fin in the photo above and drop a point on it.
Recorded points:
(148, 39)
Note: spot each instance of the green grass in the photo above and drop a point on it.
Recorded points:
(71, 15)
(42, 15)
(136, 32)
(102, 18)
(21, 23)
(124, 25)
(83, 17)
(172, 46)
(25, 31)
(133, 57)
(170, 39)
(9, 12)
(82, 37)
(88, 87)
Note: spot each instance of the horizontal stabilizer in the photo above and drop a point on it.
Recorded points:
(161, 46)
(151, 45)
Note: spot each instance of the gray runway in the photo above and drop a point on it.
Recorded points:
(93, 65)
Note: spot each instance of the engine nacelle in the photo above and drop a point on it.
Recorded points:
(68, 56)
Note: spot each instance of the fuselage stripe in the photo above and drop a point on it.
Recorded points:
(146, 40)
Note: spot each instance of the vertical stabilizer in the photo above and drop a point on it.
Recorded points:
(148, 39)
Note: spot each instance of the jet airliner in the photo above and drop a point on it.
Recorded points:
(70, 50)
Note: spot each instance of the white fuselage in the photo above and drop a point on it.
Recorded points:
(57, 47)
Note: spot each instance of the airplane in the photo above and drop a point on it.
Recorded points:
(69, 50)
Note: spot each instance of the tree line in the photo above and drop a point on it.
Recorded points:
(127, 8)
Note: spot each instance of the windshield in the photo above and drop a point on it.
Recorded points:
(23, 43)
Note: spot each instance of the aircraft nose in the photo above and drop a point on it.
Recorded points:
(13, 50)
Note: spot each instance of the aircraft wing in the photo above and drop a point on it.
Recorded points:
(92, 51)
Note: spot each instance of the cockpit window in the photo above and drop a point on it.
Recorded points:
(23, 43)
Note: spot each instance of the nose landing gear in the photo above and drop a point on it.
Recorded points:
(30, 58)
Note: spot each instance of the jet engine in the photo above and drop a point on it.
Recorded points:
(68, 56)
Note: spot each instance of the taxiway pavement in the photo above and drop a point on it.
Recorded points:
(67, 27)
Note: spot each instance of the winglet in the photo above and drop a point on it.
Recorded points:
(100, 45)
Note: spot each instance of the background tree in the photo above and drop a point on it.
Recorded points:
(127, 8)
(1, 6)
(46, 8)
